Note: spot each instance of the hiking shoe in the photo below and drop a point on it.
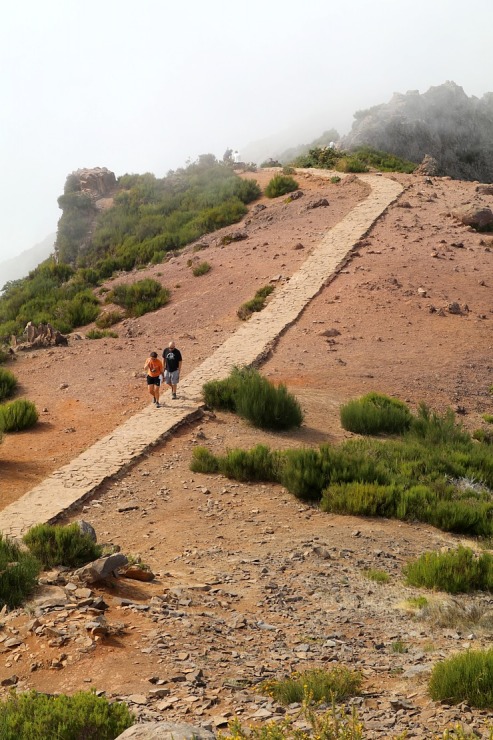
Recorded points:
(158, 405)
(154, 400)
(174, 395)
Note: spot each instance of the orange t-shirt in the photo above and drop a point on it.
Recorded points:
(155, 367)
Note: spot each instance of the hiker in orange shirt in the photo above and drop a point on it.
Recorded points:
(154, 368)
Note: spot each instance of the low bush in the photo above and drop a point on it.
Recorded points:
(434, 428)
(375, 414)
(4, 355)
(335, 684)
(257, 303)
(110, 318)
(378, 576)
(256, 399)
(447, 483)
(139, 297)
(61, 545)
(8, 384)
(256, 464)
(280, 185)
(201, 269)
(265, 405)
(467, 677)
(18, 574)
(455, 571)
(29, 715)
(351, 163)
(18, 415)
(101, 334)
(203, 461)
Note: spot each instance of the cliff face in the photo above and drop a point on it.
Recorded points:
(443, 122)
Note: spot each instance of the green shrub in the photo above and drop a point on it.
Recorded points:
(201, 269)
(375, 414)
(8, 384)
(434, 428)
(360, 499)
(18, 574)
(220, 394)
(256, 464)
(18, 415)
(140, 297)
(203, 461)
(467, 677)
(488, 418)
(335, 684)
(61, 545)
(256, 399)
(306, 471)
(265, 405)
(351, 163)
(455, 571)
(29, 716)
(101, 334)
(280, 185)
(378, 576)
(4, 355)
(483, 435)
(257, 303)
(105, 320)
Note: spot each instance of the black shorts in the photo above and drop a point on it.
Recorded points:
(153, 381)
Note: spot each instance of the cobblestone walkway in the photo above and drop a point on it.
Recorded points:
(111, 454)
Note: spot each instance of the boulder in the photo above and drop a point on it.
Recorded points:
(166, 731)
(102, 568)
(87, 528)
(478, 218)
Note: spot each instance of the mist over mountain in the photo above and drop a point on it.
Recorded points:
(443, 122)
(20, 266)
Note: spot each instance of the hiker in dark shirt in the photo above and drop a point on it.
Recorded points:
(172, 363)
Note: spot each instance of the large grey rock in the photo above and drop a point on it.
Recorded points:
(166, 731)
(102, 568)
(87, 528)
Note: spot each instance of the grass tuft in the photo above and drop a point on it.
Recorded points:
(61, 545)
(254, 398)
(455, 571)
(18, 574)
(467, 677)
(18, 415)
(335, 684)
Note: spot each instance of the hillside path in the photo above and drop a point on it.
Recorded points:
(77, 480)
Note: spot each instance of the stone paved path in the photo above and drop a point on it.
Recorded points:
(111, 454)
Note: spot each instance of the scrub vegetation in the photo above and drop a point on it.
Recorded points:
(433, 472)
(150, 217)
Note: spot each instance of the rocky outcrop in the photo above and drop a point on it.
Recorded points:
(454, 129)
(98, 182)
(42, 335)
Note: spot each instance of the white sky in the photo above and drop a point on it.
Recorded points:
(143, 85)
